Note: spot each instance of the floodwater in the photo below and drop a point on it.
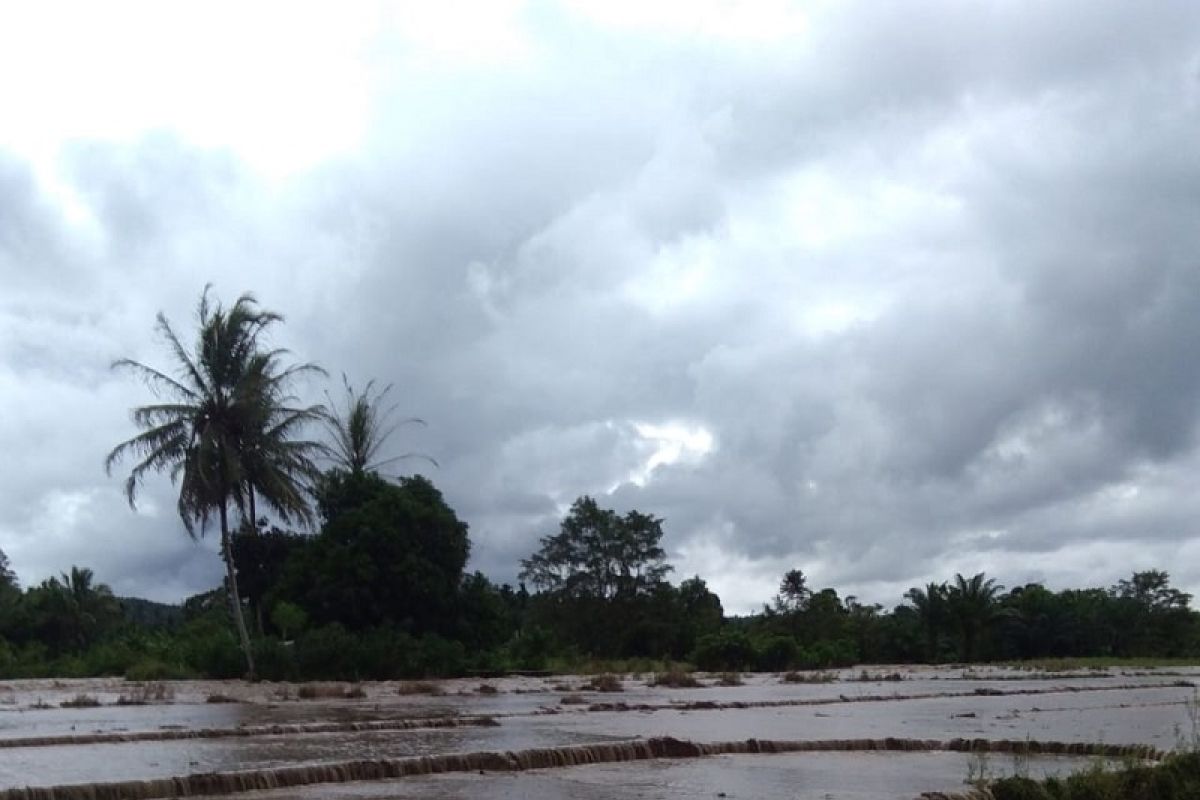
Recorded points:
(270, 728)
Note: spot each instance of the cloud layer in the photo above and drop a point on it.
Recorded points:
(880, 293)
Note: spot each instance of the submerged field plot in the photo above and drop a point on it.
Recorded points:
(875, 733)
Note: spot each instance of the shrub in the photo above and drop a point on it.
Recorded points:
(141, 694)
(606, 682)
(80, 701)
(152, 669)
(273, 660)
(419, 687)
(728, 650)
(730, 679)
(676, 678)
(808, 677)
(326, 653)
(221, 698)
(777, 653)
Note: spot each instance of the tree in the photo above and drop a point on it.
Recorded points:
(1152, 591)
(971, 604)
(793, 593)
(72, 613)
(361, 426)
(8, 578)
(220, 429)
(389, 554)
(930, 605)
(598, 554)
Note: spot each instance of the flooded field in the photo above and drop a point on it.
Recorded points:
(875, 733)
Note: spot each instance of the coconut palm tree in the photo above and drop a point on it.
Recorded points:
(972, 605)
(219, 429)
(279, 468)
(361, 426)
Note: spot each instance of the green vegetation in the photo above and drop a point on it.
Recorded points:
(373, 584)
(1176, 778)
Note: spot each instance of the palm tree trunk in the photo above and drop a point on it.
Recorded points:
(235, 599)
(256, 607)
(253, 512)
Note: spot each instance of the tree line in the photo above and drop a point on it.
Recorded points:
(333, 570)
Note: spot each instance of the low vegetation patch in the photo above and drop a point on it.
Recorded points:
(355, 692)
(1176, 778)
(730, 679)
(676, 678)
(420, 687)
(808, 677)
(315, 691)
(606, 683)
(573, 700)
(80, 701)
(879, 677)
(487, 688)
(141, 694)
(217, 697)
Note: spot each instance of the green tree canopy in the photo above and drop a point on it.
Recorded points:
(598, 554)
(389, 554)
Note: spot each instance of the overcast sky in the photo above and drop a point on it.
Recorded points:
(884, 290)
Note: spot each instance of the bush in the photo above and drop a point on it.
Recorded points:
(213, 651)
(729, 650)
(605, 683)
(438, 657)
(326, 653)
(777, 653)
(273, 660)
(152, 669)
(676, 678)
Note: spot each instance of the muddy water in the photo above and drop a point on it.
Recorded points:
(925, 704)
(827, 776)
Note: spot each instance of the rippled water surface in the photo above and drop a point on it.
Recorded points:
(1148, 707)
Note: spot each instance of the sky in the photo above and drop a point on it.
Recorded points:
(883, 291)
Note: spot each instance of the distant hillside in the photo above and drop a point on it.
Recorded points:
(151, 614)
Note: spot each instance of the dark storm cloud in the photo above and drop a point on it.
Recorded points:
(926, 276)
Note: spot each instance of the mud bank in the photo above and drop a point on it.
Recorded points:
(298, 729)
(542, 758)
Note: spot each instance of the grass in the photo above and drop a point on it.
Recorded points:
(487, 688)
(808, 677)
(315, 691)
(617, 666)
(573, 700)
(1098, 663)
(224, 698)
(730, 679)
(420, 687)
(606, 682)
(141, 694)
(676, 678)
(1175, 778)
(80, 701)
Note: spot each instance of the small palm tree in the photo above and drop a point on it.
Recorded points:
(220, 430)
(361, 426)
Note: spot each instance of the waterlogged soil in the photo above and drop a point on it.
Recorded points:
(1135, 707)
